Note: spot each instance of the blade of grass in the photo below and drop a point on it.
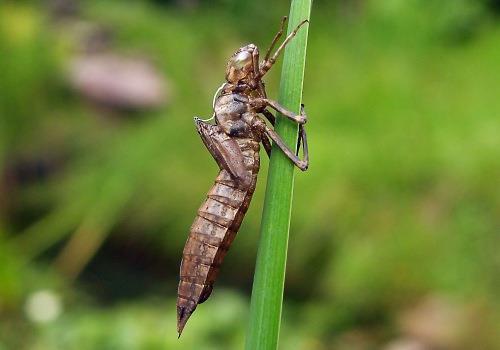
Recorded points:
(267, 292)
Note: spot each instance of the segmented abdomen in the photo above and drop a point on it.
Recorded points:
(213, 230)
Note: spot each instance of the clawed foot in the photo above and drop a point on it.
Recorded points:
(302, 118)
(303, 165)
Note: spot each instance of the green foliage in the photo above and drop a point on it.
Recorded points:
(269, 280)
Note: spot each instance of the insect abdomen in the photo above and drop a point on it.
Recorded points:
(211, 235)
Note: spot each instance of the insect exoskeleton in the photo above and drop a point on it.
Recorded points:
(240, 65)
(234, 142)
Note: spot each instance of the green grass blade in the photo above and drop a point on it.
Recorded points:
(267, 292)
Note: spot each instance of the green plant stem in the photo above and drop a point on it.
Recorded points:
(267, 292)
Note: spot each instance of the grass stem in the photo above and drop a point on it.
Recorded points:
(267, 292)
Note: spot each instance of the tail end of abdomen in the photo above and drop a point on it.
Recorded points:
(211, 234)
(185, 309)
(186, 305)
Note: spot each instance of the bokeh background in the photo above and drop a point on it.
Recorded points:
(395, 229)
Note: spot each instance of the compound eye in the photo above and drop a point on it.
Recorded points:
(242, 60)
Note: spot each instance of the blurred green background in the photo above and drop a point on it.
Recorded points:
(395, 228)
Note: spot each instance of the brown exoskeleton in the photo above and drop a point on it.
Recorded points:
(234, 142)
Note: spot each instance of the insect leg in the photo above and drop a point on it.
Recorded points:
(305, 146)
(302, 132)
(264, 102)
(299, 139)
(256, 80)
(302, 135)
(276, 38)
(268, 63)
(255, 61)
(269, 116)
(302, 164)
(267, 145)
